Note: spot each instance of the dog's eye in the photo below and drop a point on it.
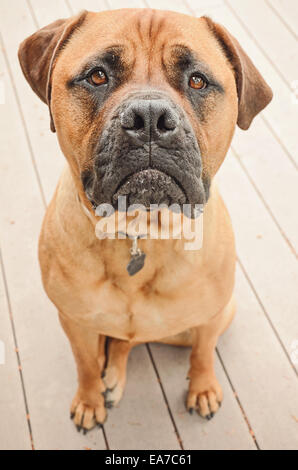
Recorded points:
(197, 82)
(97, 78)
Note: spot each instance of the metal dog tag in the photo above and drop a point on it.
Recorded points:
(136, 263)
(137, 259)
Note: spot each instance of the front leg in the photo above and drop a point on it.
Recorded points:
(88, 407)
(205, 393)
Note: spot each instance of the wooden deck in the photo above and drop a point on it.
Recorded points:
(257, 358)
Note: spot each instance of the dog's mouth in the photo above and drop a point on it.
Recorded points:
(149, 187)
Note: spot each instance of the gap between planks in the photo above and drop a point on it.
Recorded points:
(264, 201)
(164, 396)
(257, 44)
(281, 19)
(18, 356)
(23, 121)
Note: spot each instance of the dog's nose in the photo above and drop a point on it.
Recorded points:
(152, 119)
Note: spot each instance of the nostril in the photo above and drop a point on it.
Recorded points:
(138, 123)
(166, 123)
(161, 124)
(132, 121)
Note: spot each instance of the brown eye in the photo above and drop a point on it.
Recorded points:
(97, 78)
(197, 82)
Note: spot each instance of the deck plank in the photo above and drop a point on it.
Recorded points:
(272, 173)
(227, 430)
(44, 14)
(116, 4)
(48, 157)
(281, 48)
(260, 372)
(14, 431)
(176, 5)
(90, 5)
(288, 11)
(145, 424)
(267, 258)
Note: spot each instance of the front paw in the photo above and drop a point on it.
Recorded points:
(88, 410)
(204, 394)
(114, 380)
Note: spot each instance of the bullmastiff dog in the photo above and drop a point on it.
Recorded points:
(144, 103)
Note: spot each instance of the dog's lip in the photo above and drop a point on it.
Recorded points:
(134, 173)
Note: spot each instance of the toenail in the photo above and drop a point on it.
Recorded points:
(109, 404)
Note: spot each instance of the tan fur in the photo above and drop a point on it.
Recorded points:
(180, 297)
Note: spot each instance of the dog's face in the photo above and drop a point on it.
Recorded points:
(144, 102)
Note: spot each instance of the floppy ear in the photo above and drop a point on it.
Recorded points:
(253, 92)
(38, 53)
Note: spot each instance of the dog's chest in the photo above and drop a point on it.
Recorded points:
(162, 299)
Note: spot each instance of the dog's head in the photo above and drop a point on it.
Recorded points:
(144, 102)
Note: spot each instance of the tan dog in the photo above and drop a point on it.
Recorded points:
(145, 104)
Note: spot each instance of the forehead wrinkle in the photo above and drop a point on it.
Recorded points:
(155, 35)
(148, 28)
(145, 24)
